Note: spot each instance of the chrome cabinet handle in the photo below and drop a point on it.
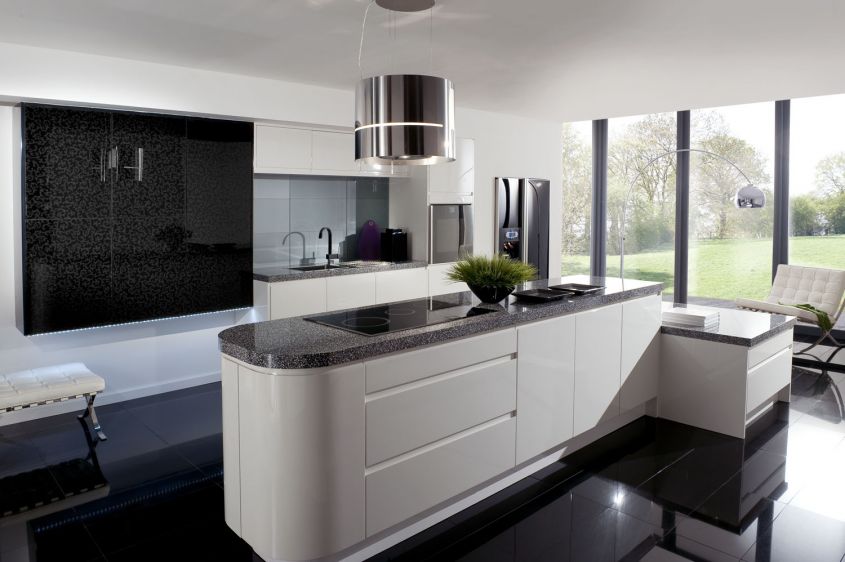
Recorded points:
(139, 168)
(102, 166)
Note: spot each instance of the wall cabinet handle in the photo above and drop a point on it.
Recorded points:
(139, 167)
(102, 167)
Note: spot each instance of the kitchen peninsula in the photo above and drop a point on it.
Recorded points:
(339, 444)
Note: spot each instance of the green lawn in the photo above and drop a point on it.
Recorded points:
(723, 269)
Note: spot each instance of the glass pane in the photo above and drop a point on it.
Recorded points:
(817, 183)
(577, 197)
(730, 249)
(641, 197)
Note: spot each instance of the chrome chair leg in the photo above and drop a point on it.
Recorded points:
(89, 411)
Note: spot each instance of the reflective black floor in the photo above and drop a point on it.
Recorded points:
(654, 490)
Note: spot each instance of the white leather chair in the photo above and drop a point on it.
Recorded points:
(793, 284)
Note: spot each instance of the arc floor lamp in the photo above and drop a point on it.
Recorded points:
(747, 197)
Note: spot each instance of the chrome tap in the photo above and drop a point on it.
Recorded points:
(285, 239)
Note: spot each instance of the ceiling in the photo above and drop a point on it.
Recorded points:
(550, 59)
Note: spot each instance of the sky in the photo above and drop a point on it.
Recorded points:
(817, 130)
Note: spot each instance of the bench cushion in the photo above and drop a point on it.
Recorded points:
(24, 388)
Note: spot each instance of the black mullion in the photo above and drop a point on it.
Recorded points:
(780, 234)
(598, 223)
(682, 183)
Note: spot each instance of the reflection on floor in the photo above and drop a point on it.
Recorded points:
(655, 490)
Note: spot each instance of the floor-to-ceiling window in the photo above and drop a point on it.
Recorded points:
(817, 182)
(576, 209)
(641, 196)
(730, 249)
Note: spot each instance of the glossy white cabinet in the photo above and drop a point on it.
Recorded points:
(334, 151)
(456, 177)
(408, 418)
(545, 388)
(350, 291)
(401, 284)
(282, 149)
(438, 284)
(295, 298)
(640, 370)
(290, 150)
(598, 349)
(398, 491)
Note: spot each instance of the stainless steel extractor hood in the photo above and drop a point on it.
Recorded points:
(405, 119)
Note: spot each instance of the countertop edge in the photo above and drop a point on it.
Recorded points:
(323, 273)
(721, 338)
(423, 337)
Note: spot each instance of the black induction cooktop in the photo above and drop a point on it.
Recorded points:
(393, 317)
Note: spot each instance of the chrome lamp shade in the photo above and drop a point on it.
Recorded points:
(405, 119)
(750, 197)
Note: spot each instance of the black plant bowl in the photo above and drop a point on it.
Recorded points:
(491, 295)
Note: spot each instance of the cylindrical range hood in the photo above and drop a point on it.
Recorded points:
(405, 119)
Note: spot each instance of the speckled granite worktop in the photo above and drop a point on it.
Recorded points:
(736, 327)
(278, 274)
(295, 343)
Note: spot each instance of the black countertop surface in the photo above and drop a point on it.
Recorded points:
(296, 343)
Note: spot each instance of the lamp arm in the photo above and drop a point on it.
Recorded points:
(634, 184)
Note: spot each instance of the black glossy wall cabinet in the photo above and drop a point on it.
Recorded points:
(132, 216)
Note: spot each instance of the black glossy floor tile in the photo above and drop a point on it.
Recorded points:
(66, 543)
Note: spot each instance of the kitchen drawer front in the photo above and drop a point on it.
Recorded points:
(405, 367)
(350, 291)
(297, 298)
(767, 378)
(401, 490)
(405, 419)
(401, 284)
(768, 348)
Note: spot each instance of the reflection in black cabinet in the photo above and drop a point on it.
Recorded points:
(130, 216)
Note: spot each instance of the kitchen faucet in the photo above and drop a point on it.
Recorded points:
(285, 239)
(329, 256)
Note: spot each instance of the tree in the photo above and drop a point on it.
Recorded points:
(833, 213)
(577, 191)
(650, 210)
(805, 216)
(830, 174)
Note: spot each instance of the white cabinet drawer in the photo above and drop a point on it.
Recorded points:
(350, 291)
(282, 148)
(401, 284)
(401, 490)
(295, 298)
(405, 367)
(768, 348)
(767, 378)
(438, 284)
(402, 420)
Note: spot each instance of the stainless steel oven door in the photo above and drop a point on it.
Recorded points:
(450, 228)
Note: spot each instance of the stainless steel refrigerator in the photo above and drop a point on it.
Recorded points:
(522, 221)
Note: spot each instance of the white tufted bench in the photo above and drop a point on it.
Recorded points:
(45, 385)
(822, 288)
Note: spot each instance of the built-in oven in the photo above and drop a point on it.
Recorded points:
(450, 228)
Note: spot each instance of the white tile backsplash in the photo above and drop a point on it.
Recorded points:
(278, 188)
(271, 215)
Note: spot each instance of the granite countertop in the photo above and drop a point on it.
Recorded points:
(277, 274)
(296, 343)
(736, 327)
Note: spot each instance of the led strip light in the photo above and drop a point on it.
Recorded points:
(399, 124)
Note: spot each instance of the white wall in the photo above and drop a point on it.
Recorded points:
(515, 147)
(152, 357)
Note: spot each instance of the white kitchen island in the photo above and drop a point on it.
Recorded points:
(338, 445)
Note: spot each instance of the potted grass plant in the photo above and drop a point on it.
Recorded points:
(491, 279)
